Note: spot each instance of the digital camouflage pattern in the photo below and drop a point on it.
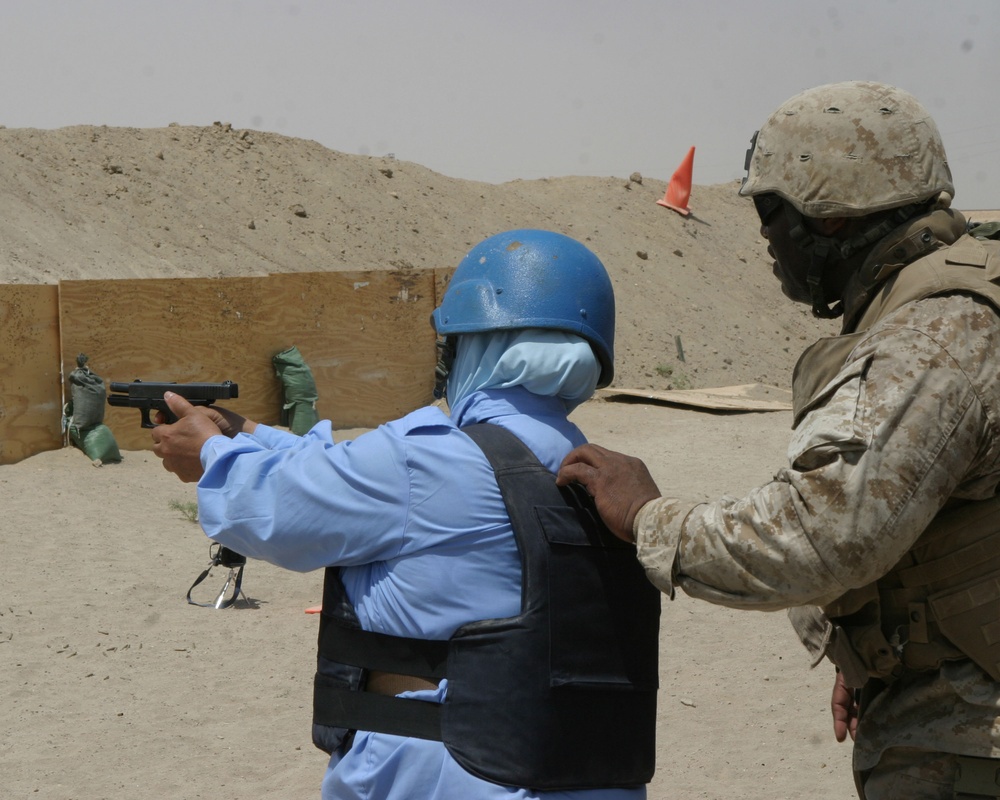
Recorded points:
(909, 422)
(847, 150)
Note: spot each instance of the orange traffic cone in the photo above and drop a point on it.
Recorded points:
(679, 188)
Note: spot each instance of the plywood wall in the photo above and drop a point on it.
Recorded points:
(366, 336)
(30, 392)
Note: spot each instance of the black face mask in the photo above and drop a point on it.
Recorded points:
(767, 205)
(446, 357)
(815, 250)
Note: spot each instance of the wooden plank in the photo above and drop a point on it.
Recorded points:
(441, 278)
(366, 337)
(30, 391)
(746, 397)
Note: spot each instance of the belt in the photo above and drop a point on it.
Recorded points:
(392, 683)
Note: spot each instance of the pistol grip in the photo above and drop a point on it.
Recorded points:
(148, 423)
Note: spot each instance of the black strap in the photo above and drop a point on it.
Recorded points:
(423, 658)
(337, 706)
(341, 702)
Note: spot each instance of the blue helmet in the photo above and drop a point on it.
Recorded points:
(532, 279)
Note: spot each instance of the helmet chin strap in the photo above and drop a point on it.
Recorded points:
(821, 250)
(446, 347)
(825, 250)
(819, 257)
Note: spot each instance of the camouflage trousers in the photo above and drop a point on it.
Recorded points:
(906, 773)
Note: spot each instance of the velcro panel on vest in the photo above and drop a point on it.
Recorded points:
(949, 590)
(968, 617)
(960, 544)
(967, 251)
(597, 610)
(562, 696)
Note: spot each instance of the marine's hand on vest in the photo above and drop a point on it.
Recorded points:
(619, 484)
(844, 708)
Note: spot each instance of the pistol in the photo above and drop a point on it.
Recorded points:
(148, 396)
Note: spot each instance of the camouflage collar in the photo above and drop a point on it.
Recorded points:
(911, 240)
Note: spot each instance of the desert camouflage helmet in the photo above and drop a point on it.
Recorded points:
(847, 150)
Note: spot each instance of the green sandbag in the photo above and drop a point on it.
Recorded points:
(89, 395)
(985, 230)
(299, 410)
(97, 441)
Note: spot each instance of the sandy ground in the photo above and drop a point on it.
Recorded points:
(116, 687)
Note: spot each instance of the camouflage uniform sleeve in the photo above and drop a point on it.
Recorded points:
(657, 531)
(900, 430)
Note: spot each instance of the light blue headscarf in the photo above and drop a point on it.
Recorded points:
(545, 362)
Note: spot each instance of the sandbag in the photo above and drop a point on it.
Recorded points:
(89, 396)
(985, 230)
(299, 410)
(83, 415)
(97, 441)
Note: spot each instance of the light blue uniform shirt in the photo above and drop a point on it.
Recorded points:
(412, 513)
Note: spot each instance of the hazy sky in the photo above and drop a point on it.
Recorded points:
(507, 89)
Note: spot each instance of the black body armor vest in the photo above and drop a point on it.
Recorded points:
(561, 696)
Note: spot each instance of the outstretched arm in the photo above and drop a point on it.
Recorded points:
(619, 484)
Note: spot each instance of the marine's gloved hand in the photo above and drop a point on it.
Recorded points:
(619, 484)
(179, 445)
(844, 709)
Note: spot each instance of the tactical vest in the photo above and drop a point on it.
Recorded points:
(561, 696)
(939, 602)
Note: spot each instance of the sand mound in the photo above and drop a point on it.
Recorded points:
(697, 304)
